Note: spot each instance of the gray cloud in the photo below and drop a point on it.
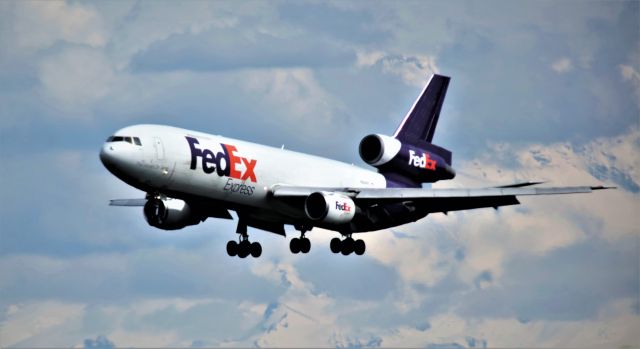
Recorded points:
(552, 297)
(101, 342)
(224, 49)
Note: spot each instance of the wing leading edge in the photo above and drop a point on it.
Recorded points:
(438, 200)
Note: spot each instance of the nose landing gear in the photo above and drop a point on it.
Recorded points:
(244, 247)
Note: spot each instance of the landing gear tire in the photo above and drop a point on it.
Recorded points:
(256, 249)
(347, 246)
(359, 247)
(232, 248)
(294, 245)
(300, 245)
(305, 245)
(244, 248)
(335, 245)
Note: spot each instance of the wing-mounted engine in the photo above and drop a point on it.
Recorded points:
(406, 163)
(329, 208)
(170, 214)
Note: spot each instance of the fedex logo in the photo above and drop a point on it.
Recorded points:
(343, 207)
(224, 163)
(423, 161)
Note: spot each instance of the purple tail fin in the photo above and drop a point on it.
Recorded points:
(409, 159)
(421, 120)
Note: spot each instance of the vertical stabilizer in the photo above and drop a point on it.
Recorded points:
(420, 122)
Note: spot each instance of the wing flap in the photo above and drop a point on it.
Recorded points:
(467, 203)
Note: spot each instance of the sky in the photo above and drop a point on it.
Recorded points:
(540, 90)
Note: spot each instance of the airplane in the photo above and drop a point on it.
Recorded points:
(189, 176)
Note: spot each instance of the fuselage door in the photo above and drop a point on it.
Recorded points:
(157, 144)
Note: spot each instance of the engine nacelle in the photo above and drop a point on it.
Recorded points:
(329, 208)
(377, 150)
(406, 163)
(170, 214)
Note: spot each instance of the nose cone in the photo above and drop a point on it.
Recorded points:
(108, 156)
(120, 159)
(116, 158)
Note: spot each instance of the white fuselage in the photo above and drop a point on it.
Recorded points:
(169, 160)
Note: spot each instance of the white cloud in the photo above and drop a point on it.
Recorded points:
(75, 79)
(414, 70)
(562, 65)
(630, 74)
(31, 320)
(148, 22)
(490, 238)
(401, 254)
(297, 98)
(549, 222)
(616, 329)
(39, 24)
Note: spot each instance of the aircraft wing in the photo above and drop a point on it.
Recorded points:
(437, 200)
(127, 202)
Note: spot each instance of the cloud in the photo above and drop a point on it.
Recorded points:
(333, 20)
(603, 330)
(413, 70)
(562, 65)
(101, 342)
(26, 322)
(75, 79)
(560, 164)
(235, 48)
(39, 25)
(296, 95)
(632, 76)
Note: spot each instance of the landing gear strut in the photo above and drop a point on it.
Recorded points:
(243, 247)
(347, 246)
(302, 244)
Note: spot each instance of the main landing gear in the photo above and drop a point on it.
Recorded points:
(347, 246)
(302, 244)
(243, 248)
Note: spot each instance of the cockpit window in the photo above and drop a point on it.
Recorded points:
(115, 139)
(132, 140)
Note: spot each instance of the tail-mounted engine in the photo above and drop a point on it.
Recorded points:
(329, 208)
(406, 164)
(170, 214)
